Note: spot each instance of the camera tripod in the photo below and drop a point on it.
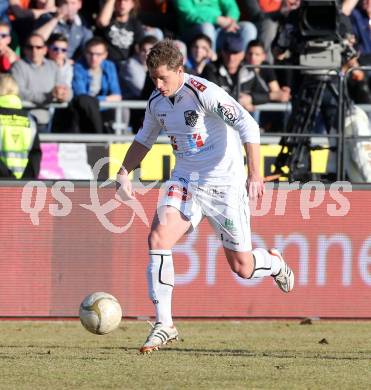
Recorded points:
(294, 160)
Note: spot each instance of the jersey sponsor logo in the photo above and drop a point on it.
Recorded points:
(190, 117)
(178, 192)
(227, 112)
(189, 153)
(201, 87)
(195, 140)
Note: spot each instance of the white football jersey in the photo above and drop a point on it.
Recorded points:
(206, 127)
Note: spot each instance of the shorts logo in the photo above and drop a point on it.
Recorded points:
(228, 224)
(190, 117)
(198, 85)
(178, 192)
(228, 240)
(227, 112)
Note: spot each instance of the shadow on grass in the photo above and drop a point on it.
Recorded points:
(47, 350)
(271, 354)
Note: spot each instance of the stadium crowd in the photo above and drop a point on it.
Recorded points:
(81, 53)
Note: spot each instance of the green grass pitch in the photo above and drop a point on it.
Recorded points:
(209, 355)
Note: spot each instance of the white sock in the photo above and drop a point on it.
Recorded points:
(160, 278)
(265, 263)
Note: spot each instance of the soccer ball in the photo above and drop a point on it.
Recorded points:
(100, 313)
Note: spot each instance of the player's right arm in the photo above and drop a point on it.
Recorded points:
(133, 157)
(142, 143)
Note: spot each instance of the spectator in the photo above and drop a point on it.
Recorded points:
(31, 9)
(182, 47)
(160, 14)
(4, 5)
(358, 88)
(201, 53)
(120, 27)
(226, 70)
(95, 79)
(89, 11)
(212, 18)
(260, 86)
(66, 21)
(360, 18)
(248, 86)
(39, 79)
(24, 15)
(57, 52)
(7, 55)
(20, 146)
(266, 15)
(133, 73)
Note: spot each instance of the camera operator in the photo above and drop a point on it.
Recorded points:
(315, 34)
(289, 42)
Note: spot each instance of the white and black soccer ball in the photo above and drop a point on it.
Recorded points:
(100, 313)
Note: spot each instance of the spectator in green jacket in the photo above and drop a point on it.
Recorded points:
(212, 18)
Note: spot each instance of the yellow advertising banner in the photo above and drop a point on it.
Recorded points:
(159, 162)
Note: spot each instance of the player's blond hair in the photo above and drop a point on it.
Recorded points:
(8, 86)
(165, 53)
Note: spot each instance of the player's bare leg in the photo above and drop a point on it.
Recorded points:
(167, 229)
(259, 263)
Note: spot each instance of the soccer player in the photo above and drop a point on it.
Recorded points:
(206, 127)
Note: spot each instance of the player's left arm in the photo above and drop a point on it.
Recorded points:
(220, 103)
(255, 183)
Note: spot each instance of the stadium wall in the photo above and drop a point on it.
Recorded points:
(64, 240)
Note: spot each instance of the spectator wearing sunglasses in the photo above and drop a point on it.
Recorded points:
(39, 79)
(57, 52)
(7, 55)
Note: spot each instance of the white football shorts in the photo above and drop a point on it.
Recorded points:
(226, 207)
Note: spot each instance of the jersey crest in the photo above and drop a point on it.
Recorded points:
(190, 117)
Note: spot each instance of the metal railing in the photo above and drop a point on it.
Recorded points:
(122, 133)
